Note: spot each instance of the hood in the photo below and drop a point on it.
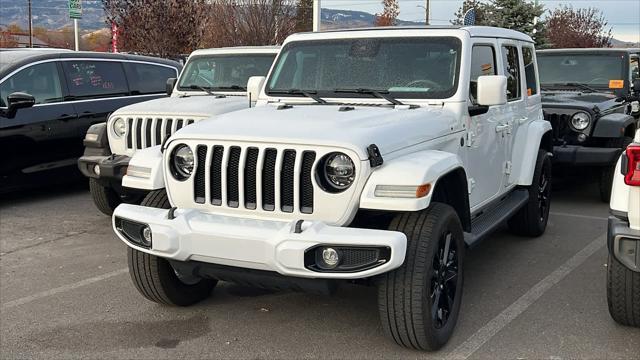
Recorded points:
(574, 99)
(194, 106)
(389, 128)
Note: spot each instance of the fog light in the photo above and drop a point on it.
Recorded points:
(146, 235)
(96, 169)
(582, 137)
(330, 258)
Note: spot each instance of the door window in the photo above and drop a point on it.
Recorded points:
(41, 81)
(511, 68)
(483, 62)
(530, 71)
(148, 78)
(95, 79)
(634, 67)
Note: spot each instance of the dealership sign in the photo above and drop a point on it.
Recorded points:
(75, 9)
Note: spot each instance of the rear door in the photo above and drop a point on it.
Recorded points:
(34, 141)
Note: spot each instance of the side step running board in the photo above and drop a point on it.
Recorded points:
(495, 216)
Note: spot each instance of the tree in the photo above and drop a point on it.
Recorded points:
(389, 13)
(582, 28)
(161, 27)
(304, 16)
(519, 15)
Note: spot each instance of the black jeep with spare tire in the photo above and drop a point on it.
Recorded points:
(590, 96)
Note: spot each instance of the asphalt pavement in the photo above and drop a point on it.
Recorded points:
(65, 293)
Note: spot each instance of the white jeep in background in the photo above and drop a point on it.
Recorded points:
(213, 82)
(623, 239)
(374, 156)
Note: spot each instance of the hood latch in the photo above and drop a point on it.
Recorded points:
(375, 158)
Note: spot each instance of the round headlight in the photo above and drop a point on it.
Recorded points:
(182, 162)
(119, 127)
(580, 120)
(339, 172)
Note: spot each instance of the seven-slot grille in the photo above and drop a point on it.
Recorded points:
(144, 132)
(261, 179)
(560, 127)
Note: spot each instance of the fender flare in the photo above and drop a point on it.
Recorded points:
(612, 125)
(145, 171)
(524, 156)
(419, 168)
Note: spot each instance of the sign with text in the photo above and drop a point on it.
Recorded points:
(75, 9)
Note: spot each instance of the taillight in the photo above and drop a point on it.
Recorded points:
(632, 175)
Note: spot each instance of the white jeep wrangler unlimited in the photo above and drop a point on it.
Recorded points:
(623, 239)
(375, 156)
(213, 82)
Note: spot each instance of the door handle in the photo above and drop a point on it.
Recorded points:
(88, 114)
(502, 127)
(65, 117)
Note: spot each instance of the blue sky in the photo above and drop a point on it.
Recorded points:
(623, 15)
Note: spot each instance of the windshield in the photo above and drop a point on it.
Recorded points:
(223, 72)
(588, 69)
(426, 67)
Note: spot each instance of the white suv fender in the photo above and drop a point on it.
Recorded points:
(419, 168)
(145, 170)
(524, 156)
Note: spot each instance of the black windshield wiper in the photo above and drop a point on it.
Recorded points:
(231, 87)
(571, 84)
(381, 94)
(202, 88)
(311, 94)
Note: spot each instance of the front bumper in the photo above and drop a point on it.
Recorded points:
(254, 244)
(585, 156)
(111, 168)
(624, 243)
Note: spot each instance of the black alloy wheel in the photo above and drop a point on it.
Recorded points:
(444, 280)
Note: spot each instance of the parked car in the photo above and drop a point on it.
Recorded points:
(213, 82)
(588, 98)
(49, 98)
(623, 240)
(375, 156)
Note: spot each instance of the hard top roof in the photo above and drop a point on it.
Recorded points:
(589, 50)
(238, 50)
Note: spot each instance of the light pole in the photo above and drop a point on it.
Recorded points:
(30, 27)
(426, 8)
(317, 19)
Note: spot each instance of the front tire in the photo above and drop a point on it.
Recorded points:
(623, 293)
(419, 302)
(105, 198)
(531, 219)
(156, 279)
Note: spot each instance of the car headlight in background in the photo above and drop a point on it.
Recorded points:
(580, 120)
(182, 162)
(337, 172)
(119, 127)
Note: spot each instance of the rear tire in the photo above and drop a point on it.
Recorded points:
(605, 182)
(531, 219)
(623, 293)
(156, 279)
(105, 198)
(415, 310)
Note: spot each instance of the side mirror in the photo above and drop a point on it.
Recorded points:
(254, 86)
(171, 83)
(18, 100)
(492, 90)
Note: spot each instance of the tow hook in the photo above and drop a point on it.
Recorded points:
(298, 228)
(172, 213)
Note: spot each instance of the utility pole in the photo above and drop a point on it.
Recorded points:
(30, 27)
(317, 19)
(426, 9)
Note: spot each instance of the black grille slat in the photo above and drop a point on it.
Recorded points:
(250, 183)
(129, 133)
(167, 128)
(232, 177)
(268, 180)
(158, 131)
(147, 133)
(189, 122)
(306, 185)
(286, 180)
(216, 175)
(199, 180)
(179, 125)
(139, 134)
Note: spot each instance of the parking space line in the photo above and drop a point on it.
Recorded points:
(40, 295)
(489, 330)
(579, 216)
